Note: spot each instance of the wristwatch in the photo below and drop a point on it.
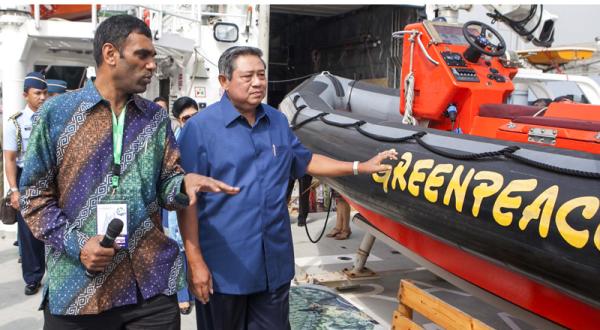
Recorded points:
(12, 190)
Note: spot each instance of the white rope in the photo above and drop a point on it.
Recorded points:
(409, 89)
(540, 111)
(409, 92)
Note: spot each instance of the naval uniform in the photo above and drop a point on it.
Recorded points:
(32, 249)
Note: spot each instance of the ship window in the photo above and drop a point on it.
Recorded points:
(226, 32)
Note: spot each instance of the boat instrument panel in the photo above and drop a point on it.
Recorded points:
(447, 33)
(462, 67)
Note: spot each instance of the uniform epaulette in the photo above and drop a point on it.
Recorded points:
(16, 115)
(13, 119)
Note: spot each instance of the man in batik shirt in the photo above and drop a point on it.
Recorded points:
(105, 145)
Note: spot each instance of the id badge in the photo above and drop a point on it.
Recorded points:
(109, 209)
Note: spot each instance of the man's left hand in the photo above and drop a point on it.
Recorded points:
(200, 281)
(374, 164)
(195, 183)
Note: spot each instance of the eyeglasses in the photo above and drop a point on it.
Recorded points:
(186, 117)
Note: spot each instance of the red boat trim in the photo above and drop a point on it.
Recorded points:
(509, 285)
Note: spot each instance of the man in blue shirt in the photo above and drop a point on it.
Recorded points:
(247, 254)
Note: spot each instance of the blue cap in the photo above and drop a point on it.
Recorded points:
(57, 86)
(34, 80)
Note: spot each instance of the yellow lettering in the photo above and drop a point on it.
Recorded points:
(577, 238)
(504, 200)
(400, 170)
(597, 238)
(459, 189)
(417, 175)
(383, 178)
(533, 210)
(434, 180)
(485, 190)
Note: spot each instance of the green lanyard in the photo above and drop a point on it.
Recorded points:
(118, 127)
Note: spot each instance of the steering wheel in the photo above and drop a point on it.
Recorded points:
(479, 44)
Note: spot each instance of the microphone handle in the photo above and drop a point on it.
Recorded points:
(106, 242)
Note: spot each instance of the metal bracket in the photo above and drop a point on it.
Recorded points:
(359, 274)
(542, 135)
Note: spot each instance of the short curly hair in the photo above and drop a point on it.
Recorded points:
(115, 31)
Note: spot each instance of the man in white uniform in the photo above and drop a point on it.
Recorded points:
(16, 136)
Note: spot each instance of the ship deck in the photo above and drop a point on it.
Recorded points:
(365, 303)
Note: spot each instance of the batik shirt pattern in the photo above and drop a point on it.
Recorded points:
(67, 171)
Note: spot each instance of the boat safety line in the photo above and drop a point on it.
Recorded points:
(466, 156)
(531, 162)
(507, 152)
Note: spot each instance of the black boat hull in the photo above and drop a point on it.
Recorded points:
(536, 222)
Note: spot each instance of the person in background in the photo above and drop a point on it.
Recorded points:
(104, 145)
(56, 87)
(245, 247)
(541, 102)
(341, 231)
(569, 98)
(16, 142)
(163, 102)
(303, 197)
(183, 109)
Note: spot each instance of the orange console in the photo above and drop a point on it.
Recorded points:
(462, 77)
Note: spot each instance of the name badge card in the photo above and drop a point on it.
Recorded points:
(106, 212)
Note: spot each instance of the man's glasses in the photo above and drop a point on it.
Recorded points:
(186, 117)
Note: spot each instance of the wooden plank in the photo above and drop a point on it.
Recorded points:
(436, 310)
(403, 309)
(403, 323)
(478, 325)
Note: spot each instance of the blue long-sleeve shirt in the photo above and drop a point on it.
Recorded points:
(245, 238)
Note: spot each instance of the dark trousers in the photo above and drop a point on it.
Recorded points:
(157, 313)
(258, 311)
(304, 192)
(31, 249)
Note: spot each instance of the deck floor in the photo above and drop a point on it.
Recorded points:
(374, 297)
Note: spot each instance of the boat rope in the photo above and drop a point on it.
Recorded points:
(292, 79)
(548, 167)
(465, 156)
(409, 87)
(387, 139)
(507, 152)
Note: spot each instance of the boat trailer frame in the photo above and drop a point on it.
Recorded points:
(372, 233)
